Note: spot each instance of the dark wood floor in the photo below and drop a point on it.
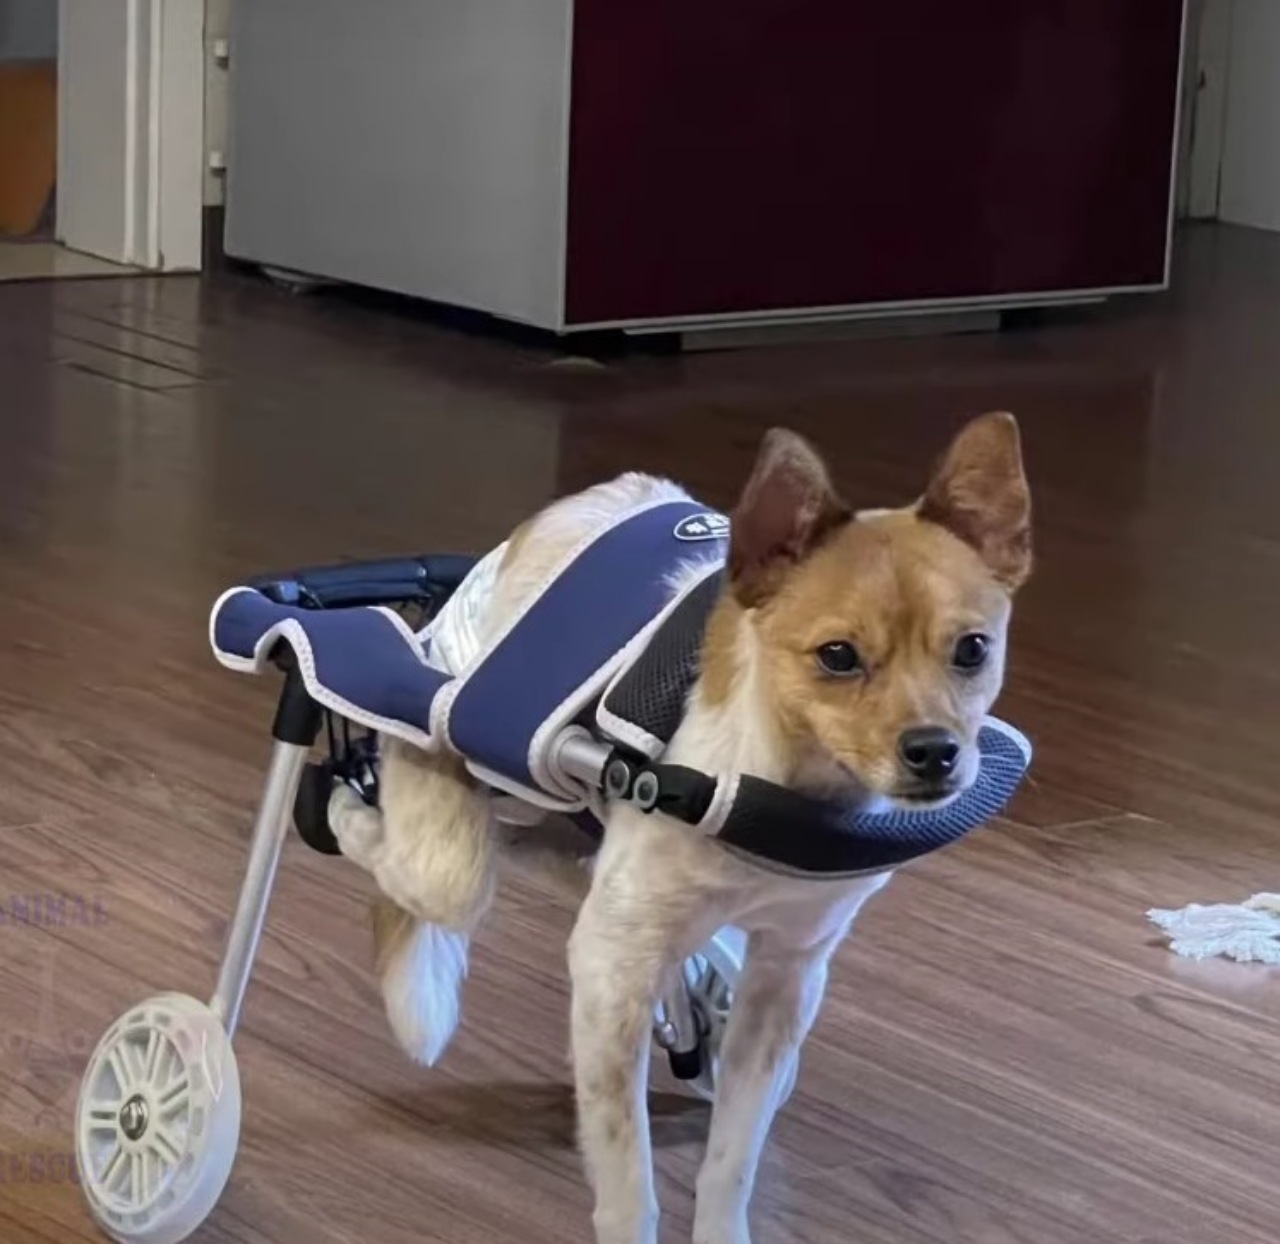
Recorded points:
(1009, 1055)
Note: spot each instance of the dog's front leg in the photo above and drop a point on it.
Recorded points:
(773, 1009)
(616, 979)
(642, 913)
(777, 1000)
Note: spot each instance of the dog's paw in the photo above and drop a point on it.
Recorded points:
(625, 1227)
(356, 826)
(719, 1221)
(727, 1235)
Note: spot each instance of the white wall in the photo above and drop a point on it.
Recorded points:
(1209, 62)
(28, 29)
(130, 130)
(1249, 192)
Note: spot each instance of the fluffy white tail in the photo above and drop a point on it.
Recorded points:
(422, 968)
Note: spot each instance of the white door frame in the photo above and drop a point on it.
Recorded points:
(1208, 112)
(131, 131)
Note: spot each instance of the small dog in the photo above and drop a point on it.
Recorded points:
(852, 654)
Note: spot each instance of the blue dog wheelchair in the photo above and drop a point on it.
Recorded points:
(158, 1114)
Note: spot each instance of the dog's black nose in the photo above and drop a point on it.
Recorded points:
(929, 753)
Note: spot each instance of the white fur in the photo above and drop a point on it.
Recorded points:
(657, 893)
(422, 987)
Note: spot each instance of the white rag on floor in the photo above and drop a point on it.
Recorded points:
(1247, 932)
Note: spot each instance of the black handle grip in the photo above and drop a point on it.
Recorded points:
(428, 579)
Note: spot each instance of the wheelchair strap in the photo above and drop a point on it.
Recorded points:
(798, 834)
(552, 662)
(643, 705)
(776, 827)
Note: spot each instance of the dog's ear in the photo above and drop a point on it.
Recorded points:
(786, 510)
(979, 493)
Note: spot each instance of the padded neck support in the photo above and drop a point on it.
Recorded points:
(642, 709)
(796, 833)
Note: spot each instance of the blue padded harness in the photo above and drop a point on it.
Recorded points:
(556, 657)
(605, 650)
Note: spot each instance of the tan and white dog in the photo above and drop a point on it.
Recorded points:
(847, 652)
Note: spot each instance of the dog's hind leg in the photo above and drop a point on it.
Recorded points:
(432, 850)
(356, 826)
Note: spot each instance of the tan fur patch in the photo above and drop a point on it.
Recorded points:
(979, 493)
(902, 587)
(902, 591)
(392, 928)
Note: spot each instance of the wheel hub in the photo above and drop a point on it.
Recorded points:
(134, 1117)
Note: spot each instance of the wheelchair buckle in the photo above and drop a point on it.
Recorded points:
(632, 783)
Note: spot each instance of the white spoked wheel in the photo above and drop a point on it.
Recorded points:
(158, 1121)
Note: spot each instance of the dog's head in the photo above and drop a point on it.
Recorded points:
(879, 638)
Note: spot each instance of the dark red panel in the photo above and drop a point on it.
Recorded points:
(734, 155)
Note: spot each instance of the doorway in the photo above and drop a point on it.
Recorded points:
(1234, 160)
(1249, 185)
(101, 137)
(29, 143)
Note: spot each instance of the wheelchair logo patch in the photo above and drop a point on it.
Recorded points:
(705, 526)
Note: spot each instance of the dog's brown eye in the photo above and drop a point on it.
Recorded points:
(971, 652)
(840, 657)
